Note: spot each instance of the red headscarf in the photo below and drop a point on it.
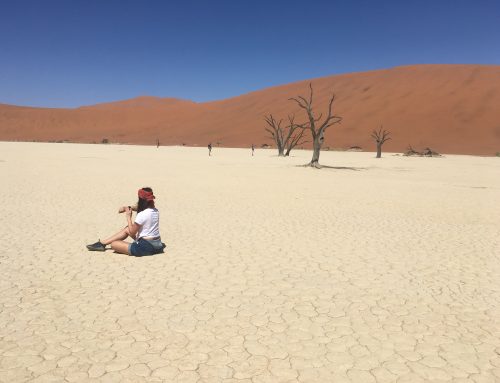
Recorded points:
(143, 194)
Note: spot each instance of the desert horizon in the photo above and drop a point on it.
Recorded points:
(456, 113)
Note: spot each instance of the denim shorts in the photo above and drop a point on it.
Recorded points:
(143, 247)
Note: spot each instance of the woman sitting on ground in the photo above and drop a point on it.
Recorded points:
(145, 230)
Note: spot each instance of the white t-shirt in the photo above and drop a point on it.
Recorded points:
(149, 222)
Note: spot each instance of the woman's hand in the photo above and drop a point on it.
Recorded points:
(128, 212)
(123, 209)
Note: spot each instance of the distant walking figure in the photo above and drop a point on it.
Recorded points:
(209, 149)
(157, 143)
(253, 149)
(145, 229)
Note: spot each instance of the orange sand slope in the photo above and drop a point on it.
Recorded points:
(450, 108)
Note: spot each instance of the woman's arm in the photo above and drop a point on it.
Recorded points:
(123, 209)
(133, 227)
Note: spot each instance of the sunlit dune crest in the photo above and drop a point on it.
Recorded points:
(450, 108)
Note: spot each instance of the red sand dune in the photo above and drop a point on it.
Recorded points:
(450, 108)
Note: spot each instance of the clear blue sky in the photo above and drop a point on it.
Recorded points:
(69, 53)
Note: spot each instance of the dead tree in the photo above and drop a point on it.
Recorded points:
(428, 152)
(314, 125)
(380, 137)
(287, 137)
(294, 136)
(411, 152)
(276, 133)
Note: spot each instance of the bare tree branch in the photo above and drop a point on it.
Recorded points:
(299, 103)
(295, 134)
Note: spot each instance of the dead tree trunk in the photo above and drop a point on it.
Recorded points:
(314, 125)
(276, 133)
(380, 138)
(317, 144)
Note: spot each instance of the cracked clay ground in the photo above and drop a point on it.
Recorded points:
(377, 271)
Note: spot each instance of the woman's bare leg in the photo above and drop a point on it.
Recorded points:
(120, 246)
(120, 236)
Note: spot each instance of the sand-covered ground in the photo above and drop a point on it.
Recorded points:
(371, 271)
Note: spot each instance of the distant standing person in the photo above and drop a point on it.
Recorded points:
(157, 143)
(253, 149)
(209, 149)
